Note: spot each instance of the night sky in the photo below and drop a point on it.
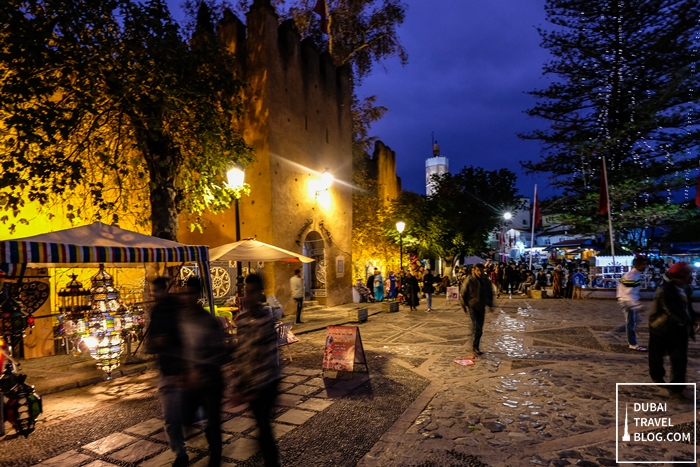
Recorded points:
(470, 66)
(471, 63)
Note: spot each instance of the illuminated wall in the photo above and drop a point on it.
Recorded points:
(298, 121)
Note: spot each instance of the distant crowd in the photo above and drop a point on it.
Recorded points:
(561, 278)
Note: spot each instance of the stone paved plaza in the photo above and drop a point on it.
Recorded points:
(543, 394)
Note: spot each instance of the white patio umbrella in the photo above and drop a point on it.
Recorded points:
(249, 250)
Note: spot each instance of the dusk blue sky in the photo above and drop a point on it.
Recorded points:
(471, 64)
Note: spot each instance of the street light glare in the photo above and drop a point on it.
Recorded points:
(326, 179)
(400, 226)
(235, 177)
(507, 216)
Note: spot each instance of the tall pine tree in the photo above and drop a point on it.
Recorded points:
(625, 86)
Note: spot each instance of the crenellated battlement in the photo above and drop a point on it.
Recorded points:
(266, 44)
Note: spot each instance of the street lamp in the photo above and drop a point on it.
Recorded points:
(400, 226)
(236, 177)
(507, 216)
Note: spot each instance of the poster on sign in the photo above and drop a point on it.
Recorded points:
(343, 348)
(452, 294)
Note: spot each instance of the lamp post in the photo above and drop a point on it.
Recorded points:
(507, 216)
(400, 226)
(235, 177)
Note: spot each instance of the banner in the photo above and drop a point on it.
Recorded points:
(343, 348)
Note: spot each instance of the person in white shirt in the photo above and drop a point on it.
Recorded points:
(628, 298)
(297, 286)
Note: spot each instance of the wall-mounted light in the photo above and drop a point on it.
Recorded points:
(326, 181)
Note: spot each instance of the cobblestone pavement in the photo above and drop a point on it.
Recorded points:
(543, 394)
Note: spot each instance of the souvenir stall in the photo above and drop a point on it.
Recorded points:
(95, 318)
(606, 274)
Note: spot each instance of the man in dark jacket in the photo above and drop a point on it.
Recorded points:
(257, 363)
(671, 323)
(476, 295)
(204, 355)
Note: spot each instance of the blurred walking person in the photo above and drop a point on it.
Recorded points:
(429, 288)
(297, 287)
(475, 296)
(671, 323)
(258, 364)
(628, 296)
(165, 341)
(205, 354)
(558, 282)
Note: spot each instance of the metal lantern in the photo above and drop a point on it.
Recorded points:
(74, 308)
(74, 299)
(12, 321)
(104, 323)
(22, 406)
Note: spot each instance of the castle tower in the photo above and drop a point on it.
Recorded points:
(436, 165)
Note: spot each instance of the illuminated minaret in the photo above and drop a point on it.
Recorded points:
(626, 436)
(436, 165)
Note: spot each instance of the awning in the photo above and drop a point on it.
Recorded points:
(98, 243)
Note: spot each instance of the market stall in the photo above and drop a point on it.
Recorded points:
(100, 310)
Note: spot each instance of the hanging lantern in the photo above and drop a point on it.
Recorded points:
(12, 322)
(74, 308)
(22, 406)
(104, 322)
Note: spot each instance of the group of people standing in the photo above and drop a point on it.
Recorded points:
(406, 286)
(190, 345)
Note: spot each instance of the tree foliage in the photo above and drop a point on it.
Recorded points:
(113, 103)
(460, 214)
(625, 86)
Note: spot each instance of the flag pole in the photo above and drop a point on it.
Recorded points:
(532, 235)
(610, 227)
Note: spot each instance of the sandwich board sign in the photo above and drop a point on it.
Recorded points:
(343, 349)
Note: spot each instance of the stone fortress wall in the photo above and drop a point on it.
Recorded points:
(297, 118)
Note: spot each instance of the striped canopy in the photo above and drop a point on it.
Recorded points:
(96, 244)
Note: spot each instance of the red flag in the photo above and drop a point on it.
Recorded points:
(321, 9)
(538, 214)
(603, 206)
(697, 192)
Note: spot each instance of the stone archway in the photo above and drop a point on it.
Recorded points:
(315, 273)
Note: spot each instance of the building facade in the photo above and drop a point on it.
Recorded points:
(297, 119)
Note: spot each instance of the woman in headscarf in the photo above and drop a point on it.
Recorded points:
(558, 282)
(378, 286)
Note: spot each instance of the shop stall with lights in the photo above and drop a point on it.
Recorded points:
(95, 318)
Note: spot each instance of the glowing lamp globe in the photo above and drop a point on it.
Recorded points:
(400, 226)
(235, 177)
